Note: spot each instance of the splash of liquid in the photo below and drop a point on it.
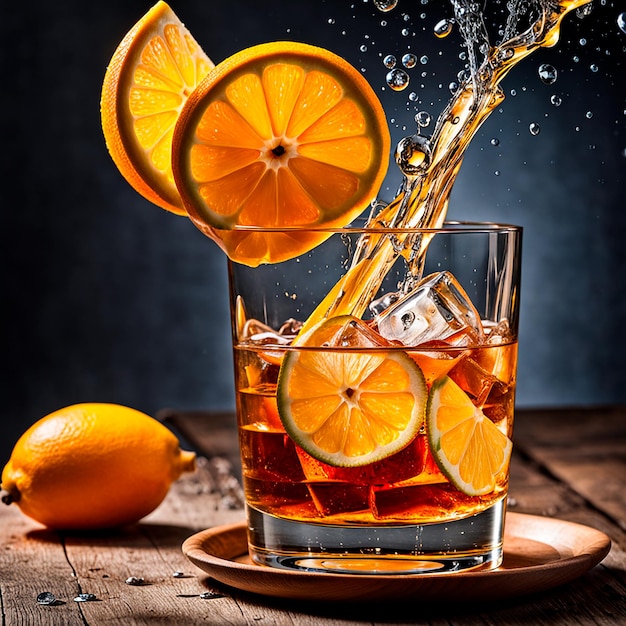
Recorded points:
(430, 164)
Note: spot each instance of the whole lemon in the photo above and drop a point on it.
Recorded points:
(93, 465)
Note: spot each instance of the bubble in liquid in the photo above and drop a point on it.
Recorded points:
(547, 73)
(397, 79)
(534, 129)
(505, 54)
(413, 154)
(621, 22)
(389, 61)
(385, 5)
(409, 60)
(556, 100)
(443, 28)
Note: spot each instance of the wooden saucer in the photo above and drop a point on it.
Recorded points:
(539, 553)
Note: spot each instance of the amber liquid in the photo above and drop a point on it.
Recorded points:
(281, 479)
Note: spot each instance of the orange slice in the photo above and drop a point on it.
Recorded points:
(151, 74)
(280, 135)
(349, 407)
(467, 446)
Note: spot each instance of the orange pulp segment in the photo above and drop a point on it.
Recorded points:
(280, 135)
(151, 74)
(349, 407)
(467, 446)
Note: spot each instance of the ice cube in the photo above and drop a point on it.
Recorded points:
(500, 357)
(356, 333)
(437, 309)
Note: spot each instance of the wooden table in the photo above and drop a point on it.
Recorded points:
(568, 464)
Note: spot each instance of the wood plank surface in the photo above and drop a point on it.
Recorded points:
(566, 464)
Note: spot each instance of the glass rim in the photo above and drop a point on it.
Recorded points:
(451, 227)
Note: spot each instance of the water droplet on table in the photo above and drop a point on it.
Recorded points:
(85, 597)
(46, 598)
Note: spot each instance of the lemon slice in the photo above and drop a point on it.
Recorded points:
(467, 446)
(349, 407)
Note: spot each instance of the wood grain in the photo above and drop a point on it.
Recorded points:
(568, 464)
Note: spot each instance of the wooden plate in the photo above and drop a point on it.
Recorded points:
(539, 553)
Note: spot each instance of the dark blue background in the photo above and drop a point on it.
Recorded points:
(107, 298)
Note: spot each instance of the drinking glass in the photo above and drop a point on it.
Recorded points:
(453, 313)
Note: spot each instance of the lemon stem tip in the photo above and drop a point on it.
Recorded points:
(187, 461)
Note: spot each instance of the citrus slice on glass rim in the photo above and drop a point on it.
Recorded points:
(281, 135)
(467, 446)
(150, 75)
(349, 407)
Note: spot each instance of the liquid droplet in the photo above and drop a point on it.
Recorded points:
(495, 141)
(385, 5)
(547, 73)
(534, 129)
(443, 28)
(397, 79)
(409, 60)
(556, 100)
(423, 119)
(389, 61)
(621, 22)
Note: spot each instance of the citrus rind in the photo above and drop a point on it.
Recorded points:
(150, 75)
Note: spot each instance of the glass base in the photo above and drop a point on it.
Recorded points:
(472, 543)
